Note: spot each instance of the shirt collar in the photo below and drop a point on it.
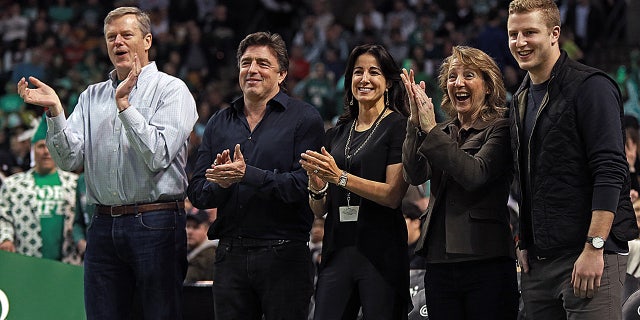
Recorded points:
(478, 125)
(280, 100)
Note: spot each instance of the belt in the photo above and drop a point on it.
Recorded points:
(115, 211)
(252, 242)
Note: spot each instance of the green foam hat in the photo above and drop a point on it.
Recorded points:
(41, 131)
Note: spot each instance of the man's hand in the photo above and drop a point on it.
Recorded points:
(229, 172)
(126, 86)
(7, 246)
(82, 246)
(587, 272)
(42, 95)
(523, 260)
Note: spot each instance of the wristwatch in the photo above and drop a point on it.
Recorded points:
(596, 242)
(342, 181)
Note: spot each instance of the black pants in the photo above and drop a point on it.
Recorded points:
(485, 289)
(349, 281)
(275, 280)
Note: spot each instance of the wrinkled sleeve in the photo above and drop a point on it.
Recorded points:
(415, 168)
(470, 171)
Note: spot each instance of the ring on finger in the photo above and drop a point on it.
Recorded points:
(315, 171)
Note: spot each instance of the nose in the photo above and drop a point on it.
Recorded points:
(252, 67)
(459, 81)
(365, 78)
(520, 41)
(119, 39)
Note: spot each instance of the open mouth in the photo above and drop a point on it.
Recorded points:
(462, 96)
(365, 90)
(524, 53)
(121, 53)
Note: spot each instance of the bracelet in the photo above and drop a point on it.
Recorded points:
(318, 194)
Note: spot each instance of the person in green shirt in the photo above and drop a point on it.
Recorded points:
(37, 208)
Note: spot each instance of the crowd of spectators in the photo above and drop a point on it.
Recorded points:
(61, 43)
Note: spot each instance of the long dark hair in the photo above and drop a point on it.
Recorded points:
(397, 96)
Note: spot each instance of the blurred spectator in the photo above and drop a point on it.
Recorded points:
(494, 41)
(37, 208)
(83, 215)
(13, 26)
(402, 18)
(201, 251)
(368, 19)
(61, 12)
(323, 15)
(586, 19)
(414, 205)
(315, 242)
(317, 89)
(308, 38)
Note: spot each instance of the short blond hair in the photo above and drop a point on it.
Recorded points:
(144, 23)
(548, 9)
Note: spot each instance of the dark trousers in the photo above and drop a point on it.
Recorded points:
(548, 293)
(275, 280)
(482, 290)
(141, 256)
(349, 281)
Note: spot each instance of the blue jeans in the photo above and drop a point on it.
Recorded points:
(276, 281)
(141, 256)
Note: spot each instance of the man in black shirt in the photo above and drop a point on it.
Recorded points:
(248, 167)
(568, 145)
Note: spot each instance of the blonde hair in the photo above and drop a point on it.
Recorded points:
(548, 9)
(144, 23)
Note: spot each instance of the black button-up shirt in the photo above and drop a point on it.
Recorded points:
(271, 201)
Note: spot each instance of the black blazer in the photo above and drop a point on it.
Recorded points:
(475, 176)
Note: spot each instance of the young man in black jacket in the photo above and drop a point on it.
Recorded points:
(568, 145)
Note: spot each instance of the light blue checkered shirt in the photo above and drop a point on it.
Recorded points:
(136, 156)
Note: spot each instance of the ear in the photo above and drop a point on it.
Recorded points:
(555, 34)
(281, 76)
(147, 41)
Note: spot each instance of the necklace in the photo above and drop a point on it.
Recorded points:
(347, 147)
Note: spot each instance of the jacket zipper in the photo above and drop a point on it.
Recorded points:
(543, 105)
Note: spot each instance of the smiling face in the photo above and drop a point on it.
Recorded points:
(466, 89)
(260, 75)
(368, 84)
(533, 44)
(125, 40)
(42, 158)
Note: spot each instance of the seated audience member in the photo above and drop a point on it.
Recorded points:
(633, 264)
(37, 208)
(412, 212)
(83, 214)
(201, 251)
(315, 241)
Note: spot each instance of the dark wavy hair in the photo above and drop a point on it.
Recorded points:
(391, 72)
(495, 100)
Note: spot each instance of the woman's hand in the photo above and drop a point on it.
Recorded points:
(420, 105)
(408, 79)
(321, 167)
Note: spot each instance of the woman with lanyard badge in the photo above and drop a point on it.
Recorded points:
(357, 180)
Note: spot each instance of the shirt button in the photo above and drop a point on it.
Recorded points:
(249, 138)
